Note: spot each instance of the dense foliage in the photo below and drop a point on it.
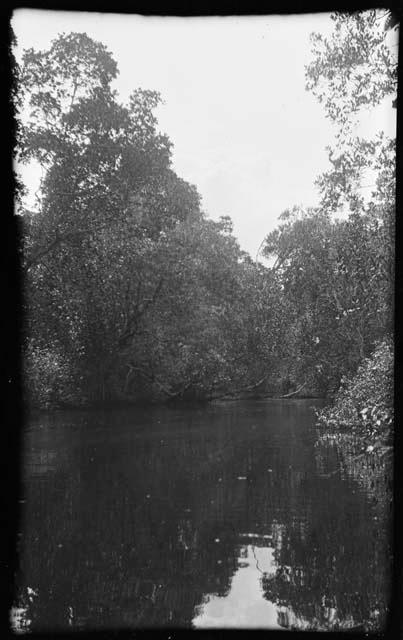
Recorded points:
(336, 276)
(133, 294)
(352, 70)
(364, 402)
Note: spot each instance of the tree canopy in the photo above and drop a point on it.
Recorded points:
(133, 294)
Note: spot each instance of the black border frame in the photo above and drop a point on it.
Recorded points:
(12, 308)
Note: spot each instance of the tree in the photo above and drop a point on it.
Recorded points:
(130, 291)
(354, 68)
(95, 153)
(338, 274)
(99, 159)
(337, 278)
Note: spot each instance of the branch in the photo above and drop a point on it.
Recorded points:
(57, 241)
(279, 262)
(247, 388)
(154, 380)
(288, 395)
(150, 301)
(259, 249)
(338, 305)
(132, 321)
(182, 391)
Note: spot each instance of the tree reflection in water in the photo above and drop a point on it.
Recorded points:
(137, 519)
(336, 574)
(243, 606)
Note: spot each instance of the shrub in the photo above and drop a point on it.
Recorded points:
(364, 402)
(47, 375)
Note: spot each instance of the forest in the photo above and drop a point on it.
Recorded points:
(133, 295)
(208, 433)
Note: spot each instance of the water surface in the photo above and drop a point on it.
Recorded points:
(219, 516)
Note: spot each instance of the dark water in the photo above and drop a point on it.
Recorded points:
(220, 516)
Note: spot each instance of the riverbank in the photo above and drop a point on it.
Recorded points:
(32, 409)
(360, 420)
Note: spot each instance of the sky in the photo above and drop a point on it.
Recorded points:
(244, 129)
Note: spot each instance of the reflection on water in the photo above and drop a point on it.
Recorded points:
(217, 516)
(244, 605)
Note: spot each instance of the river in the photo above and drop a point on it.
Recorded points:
(226, 515)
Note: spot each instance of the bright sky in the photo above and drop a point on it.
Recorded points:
(244, 129)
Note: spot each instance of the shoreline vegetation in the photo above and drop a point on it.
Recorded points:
(117, 405)
(132, 295)
(359, 423)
